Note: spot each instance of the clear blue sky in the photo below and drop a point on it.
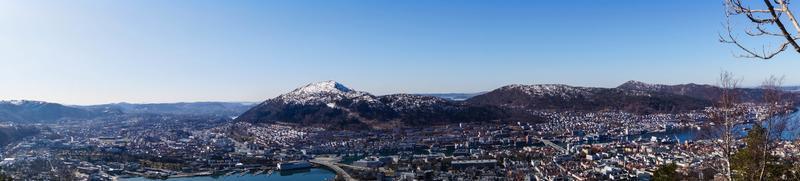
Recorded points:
(87, 52)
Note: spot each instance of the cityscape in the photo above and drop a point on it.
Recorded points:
(550, 145)
(399, 90)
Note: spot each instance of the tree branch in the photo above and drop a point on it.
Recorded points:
(762, 31)
(750, 53)
(786, 34)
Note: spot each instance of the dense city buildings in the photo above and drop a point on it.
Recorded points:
(568, 146)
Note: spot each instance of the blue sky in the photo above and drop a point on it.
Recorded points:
(88, 52)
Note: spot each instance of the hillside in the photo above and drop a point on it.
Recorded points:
(331, 104)
(37, 111)
(563, 97)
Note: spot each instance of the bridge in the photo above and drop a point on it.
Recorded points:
(331, 163)
(366, 169)
(551, 144)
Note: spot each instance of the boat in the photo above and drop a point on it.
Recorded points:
(293, 165)
(270, 172)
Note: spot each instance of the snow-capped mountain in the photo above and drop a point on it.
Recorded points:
(325, 92)
(335, 105)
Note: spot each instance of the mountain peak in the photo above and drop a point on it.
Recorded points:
(323, 92)
(323, 87)
(634, 82)
(637, 85)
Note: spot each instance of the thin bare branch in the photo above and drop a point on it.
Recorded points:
(761, 32)
(735, 7)
(730, 39)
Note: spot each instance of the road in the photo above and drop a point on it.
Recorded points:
(551, 144)
(332, 165)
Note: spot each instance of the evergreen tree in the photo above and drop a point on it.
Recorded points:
(666, 173)
(4, 177)
(748, 161)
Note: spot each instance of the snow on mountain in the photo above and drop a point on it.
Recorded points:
(637, 85)
(556, 90)
(326, 92)
(564, 97)
(698, 91)
(335, 106)
(335, 95)
(22, 102)
(322, 87)
(403, 102)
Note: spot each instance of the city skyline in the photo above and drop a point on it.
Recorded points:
(411, 90)
(92, 52)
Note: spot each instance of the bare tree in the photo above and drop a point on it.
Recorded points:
(774, 119)
(767, 21)
(725, 116)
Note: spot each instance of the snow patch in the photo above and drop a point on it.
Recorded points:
(21, 102)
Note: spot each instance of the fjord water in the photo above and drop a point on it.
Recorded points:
(314, 174)
(791, 132)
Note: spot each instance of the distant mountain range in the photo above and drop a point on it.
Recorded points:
(38, 111)
(563, 97)
(454, 96)
(334, 105)
(791, 88)
(698, 91)
(230, 109)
